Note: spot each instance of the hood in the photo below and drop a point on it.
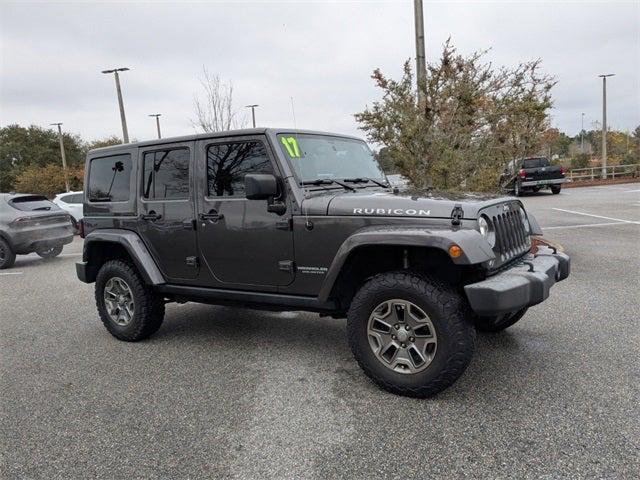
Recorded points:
(370, 202)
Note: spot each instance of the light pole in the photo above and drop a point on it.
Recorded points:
(125, 133)
(421, 63)
(604, 122)
(582, 135)
(253, 113)
(64, 158)
(157, 115)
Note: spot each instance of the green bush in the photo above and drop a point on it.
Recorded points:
(580, 161)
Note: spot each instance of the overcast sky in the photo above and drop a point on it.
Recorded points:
(319, 53)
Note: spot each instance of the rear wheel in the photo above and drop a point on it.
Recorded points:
(410, 333)
(7, 255)
(500, 322)
(50, 252)
(555, 189)
(128, 308)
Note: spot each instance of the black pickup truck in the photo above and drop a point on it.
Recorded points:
(532, 174)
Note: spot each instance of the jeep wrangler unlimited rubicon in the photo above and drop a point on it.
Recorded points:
(299, 220)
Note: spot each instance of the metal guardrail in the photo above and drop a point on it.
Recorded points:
(613, 171)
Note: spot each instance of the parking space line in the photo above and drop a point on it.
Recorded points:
(632, 191)
(10, 273)
(559, 227)
(596, 216)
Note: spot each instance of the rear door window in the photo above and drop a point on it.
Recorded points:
(32, 203)
(166, 174)
(110, 178)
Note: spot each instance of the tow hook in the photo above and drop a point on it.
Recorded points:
(530, 265)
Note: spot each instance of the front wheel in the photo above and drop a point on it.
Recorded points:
(410, 333)
(555, 189)
(128, 308)
(50, 252)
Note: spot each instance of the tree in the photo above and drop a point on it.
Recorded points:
(102, 142)
(385, 160)
(214, 110)
(22, 147)
(474, 119)
(47, 180)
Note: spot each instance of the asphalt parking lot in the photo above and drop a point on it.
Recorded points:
(231, 393)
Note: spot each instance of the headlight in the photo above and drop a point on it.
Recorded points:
(525, 221)
(486, 230)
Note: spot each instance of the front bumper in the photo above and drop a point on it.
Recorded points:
(523, 285)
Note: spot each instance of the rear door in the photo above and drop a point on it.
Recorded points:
(166, 218)
(241, 242)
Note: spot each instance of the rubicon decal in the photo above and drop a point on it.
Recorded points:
(392, 211)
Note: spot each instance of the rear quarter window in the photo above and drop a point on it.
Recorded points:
(110, 178)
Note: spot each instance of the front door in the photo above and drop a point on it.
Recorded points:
(166, 219)
(241, 242)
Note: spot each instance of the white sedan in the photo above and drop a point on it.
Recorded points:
(71, 202)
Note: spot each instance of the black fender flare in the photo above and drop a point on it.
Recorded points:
(134, 246)
(475, 249)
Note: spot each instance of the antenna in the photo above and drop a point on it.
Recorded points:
(304, 208)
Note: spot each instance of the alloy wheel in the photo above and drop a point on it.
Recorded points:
(401, 336)
(118, 300)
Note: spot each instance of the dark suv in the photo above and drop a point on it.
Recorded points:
(298, 220)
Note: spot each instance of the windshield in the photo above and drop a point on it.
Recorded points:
(322, 157)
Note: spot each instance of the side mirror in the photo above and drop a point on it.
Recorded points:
(260, 186)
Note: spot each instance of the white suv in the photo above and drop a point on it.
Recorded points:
(71, 202)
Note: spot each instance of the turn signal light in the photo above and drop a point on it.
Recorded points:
(455, 251)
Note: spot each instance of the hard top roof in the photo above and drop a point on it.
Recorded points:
(227, 133)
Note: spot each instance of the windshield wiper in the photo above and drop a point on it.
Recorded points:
(366, 180)
(327, 181)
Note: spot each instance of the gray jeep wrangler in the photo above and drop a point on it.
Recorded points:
(299, 220)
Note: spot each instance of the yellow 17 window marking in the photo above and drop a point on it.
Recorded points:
(291, 145)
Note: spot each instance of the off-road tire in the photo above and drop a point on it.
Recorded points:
(449, 314)
(497, 324)
(50, 252)
(7, 255)
(148, 310)
(555, 189)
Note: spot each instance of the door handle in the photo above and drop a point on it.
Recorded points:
(212, 215)
(151, 216)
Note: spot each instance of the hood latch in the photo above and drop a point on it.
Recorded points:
(457, 214)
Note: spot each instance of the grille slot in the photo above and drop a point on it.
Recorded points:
(511, 238)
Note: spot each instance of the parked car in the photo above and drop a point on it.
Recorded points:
(532, 174)
(298, 220)
(31, 223)
(71, 202)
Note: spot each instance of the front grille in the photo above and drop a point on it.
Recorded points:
(511, 238)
